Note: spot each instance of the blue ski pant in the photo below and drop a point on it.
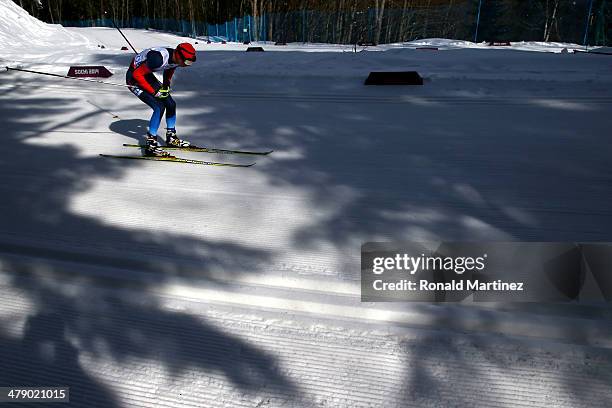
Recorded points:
(159, 106)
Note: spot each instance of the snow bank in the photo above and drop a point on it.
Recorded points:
(446, 44)
(602, 50)
(20, 33)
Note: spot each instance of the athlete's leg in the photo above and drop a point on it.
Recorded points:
(158, 111)
(157, 105)
(170, 112)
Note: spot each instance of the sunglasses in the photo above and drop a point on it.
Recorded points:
(187, 60)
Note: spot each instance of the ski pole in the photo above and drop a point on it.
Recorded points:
(586, 28)
(120, 32)
(69, 77)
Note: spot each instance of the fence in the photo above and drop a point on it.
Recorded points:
(579, 22)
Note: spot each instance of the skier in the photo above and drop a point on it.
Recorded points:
(148, 89)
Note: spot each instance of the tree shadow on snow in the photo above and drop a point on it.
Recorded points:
(65, 331)
(454, 368)
(368, 171)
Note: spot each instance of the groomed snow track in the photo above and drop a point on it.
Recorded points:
(252, 343)
(147, 285)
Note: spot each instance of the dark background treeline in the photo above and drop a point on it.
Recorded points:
(347, 21)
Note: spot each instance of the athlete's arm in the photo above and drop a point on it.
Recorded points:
(168, 76)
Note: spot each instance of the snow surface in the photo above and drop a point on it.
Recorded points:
(23, 36)
(156, 284)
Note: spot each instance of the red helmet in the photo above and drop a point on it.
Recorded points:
(186, 52)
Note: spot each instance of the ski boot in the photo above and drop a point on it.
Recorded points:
(172, 140)
(153, 149)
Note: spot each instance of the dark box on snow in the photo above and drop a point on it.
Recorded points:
(394, 78)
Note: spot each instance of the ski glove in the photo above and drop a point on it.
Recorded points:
(163, 92)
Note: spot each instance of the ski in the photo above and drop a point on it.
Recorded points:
(207, 150)
(174, 159)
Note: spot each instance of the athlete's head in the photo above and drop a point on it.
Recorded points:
(184, 54)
